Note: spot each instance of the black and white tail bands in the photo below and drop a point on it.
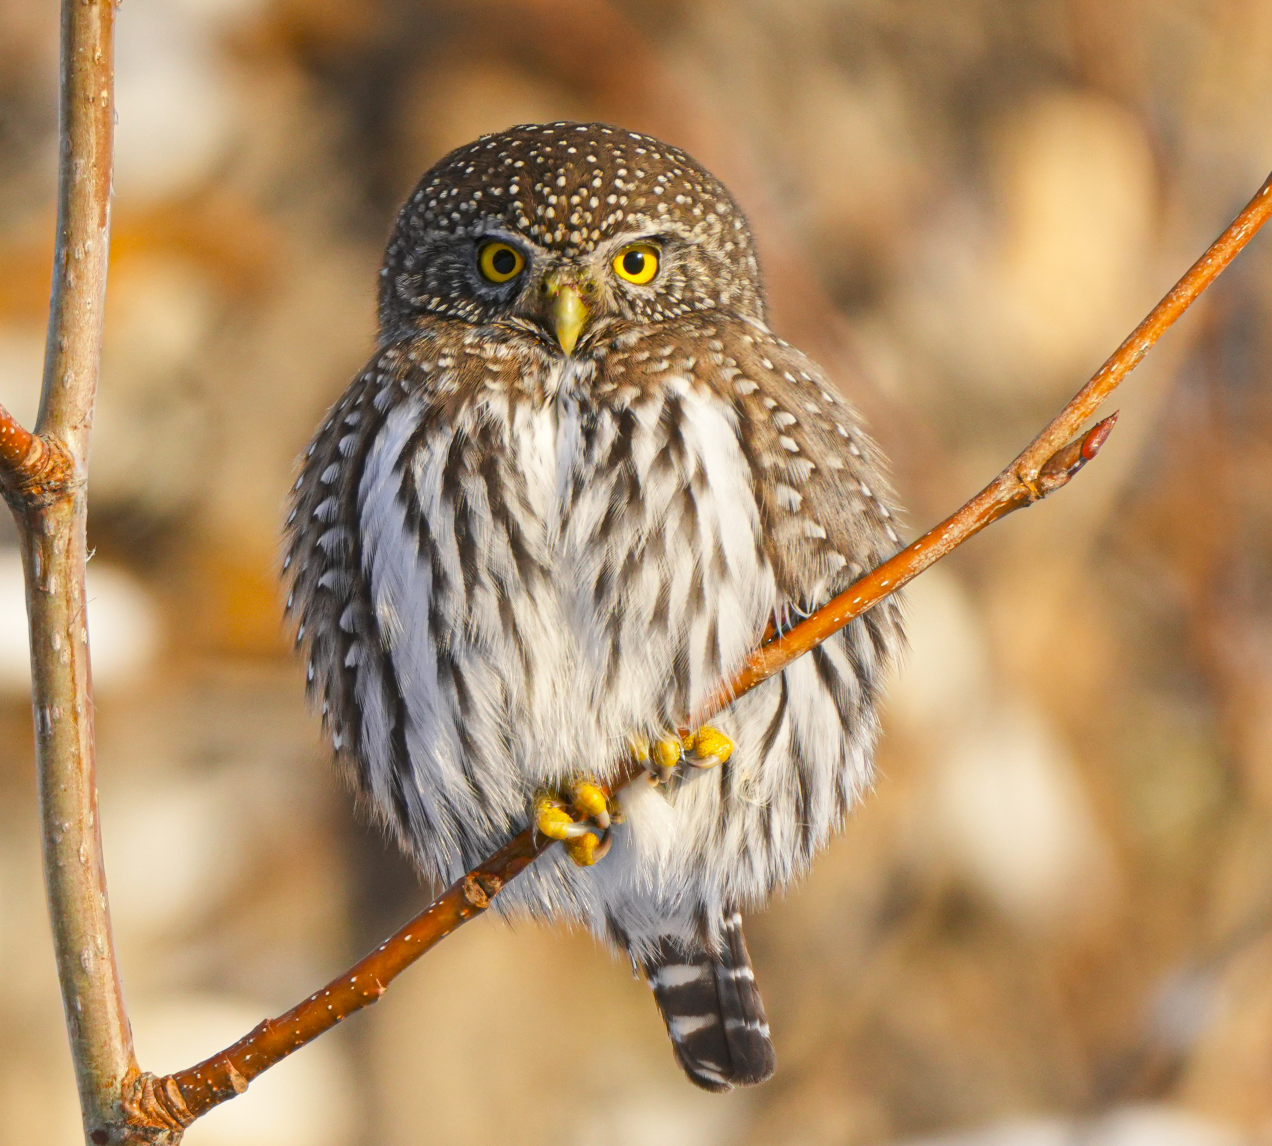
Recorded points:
(713, 1010)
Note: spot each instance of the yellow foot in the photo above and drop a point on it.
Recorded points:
(581, 821)
(704, 748)
(707, 747)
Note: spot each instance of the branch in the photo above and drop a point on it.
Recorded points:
(1045, 465)
(42, 478)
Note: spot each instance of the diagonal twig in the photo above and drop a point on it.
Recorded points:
(1046, 464)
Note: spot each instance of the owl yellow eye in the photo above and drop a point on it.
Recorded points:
(637, 263)
(499, 262)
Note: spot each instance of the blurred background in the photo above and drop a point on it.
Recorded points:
(1052, 921)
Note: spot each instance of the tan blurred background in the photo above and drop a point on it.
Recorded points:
(1052, 922)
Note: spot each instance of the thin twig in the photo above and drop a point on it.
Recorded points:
(42, 478)
(15, 442)
(1049, 462)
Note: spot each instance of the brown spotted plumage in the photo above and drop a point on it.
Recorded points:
(557, 509)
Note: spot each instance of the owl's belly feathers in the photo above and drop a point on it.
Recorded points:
(548, 578)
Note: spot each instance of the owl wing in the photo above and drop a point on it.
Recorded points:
(329, 597)
(825, 502)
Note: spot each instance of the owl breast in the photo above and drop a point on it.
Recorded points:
(548, 576)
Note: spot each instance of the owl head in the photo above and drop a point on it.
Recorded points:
(565, 230)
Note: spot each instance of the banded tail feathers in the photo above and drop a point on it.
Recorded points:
(713, 1010)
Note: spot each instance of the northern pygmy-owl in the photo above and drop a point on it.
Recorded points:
(575, 484)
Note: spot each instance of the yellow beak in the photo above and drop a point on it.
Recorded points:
(569, 316)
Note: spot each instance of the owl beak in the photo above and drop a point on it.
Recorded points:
(569, 315)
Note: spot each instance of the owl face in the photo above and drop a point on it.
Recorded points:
(564, 230)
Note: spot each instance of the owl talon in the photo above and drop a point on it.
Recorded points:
(661, 757)
(592, 801)
(707, 747)
(583, 824)
(552, 820)
(666, 755)
(588, 848)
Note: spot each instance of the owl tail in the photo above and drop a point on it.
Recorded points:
(713, 1010)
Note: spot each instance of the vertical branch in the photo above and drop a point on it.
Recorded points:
(43, 479)
(86, 121)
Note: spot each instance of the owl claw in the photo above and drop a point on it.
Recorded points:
(661, 756)
(588, 848)
(667, 754)
(705, 748)
(582, 823)
(591, 799)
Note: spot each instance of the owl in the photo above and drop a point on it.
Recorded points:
(577, 483)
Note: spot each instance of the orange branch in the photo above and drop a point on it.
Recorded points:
(1049, 462)
(15, 442)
